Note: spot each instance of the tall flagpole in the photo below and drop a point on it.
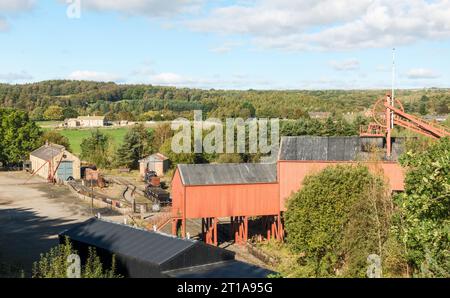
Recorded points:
(393, 87)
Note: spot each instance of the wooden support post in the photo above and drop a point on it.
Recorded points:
(183, 228)
(273, 230)
(236, 230)
(174, 226)
(203, 229)
(280, 228)
(245, 229)
(215, 231)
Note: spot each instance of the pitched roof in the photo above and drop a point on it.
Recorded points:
(319, 148)
(91, 118)
(243, 173)
(137, 243)
(47, 152)
(155, 156)
(316, 148)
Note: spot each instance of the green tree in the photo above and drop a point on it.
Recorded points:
(54, 113)
(178, 158)
(95, 149)
(339, 217)
(136, 145)
(69, 112)
(161, 133)
(54, 264)
(55, 137)
(18, 136)
(423, 109)
(37, 114)
(425, 212)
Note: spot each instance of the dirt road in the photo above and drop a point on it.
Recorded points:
(32, 215)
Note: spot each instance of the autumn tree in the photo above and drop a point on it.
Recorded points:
(54, 113)
(55, 137)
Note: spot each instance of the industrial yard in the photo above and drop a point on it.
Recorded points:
(32, 215)
(262, 140)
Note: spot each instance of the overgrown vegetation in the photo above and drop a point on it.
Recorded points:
(344, 213)
(424, 219)
(340, 216)
(55, 264)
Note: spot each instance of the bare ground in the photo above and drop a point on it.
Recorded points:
(32, 214)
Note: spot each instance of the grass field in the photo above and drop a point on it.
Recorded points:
(76, 136)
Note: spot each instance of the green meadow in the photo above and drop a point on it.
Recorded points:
(76, 136)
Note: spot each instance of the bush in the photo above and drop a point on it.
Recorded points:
(54, 264)
(337, 219)
(425, 212)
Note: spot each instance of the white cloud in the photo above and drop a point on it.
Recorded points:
(331, 24)
(351, 64)
(16, 5)
(169, 78)
(152, 8)
(8, 7)
(225, 47)
(422, 73)
(215, 81)
(12, 77)
(87, 75)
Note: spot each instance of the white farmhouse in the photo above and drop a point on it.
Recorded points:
(86, 121)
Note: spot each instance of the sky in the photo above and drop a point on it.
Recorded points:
(224, 44)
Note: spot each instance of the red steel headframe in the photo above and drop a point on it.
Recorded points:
(396, 116)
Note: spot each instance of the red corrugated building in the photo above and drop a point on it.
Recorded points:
(240, 191)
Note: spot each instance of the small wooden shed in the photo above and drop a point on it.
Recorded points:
(156, 162)
(55, 159)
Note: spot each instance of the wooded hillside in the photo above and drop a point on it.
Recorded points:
(144, 102)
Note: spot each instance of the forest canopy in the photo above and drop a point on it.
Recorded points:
(140, 102)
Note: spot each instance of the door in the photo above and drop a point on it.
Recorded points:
(65, 170)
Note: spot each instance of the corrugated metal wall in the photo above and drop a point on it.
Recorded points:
(291, 174)
(224, 200)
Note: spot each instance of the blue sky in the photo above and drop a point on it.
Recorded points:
(266, 44)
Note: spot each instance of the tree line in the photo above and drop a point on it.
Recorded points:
(56, 100)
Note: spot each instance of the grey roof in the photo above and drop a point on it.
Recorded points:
(149, 246)
(319, 148)
(353, 148)
(154, 157)
(47, 152)
(228, 269)
(244, 173)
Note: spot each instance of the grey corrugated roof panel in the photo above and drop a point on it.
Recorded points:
(120, 239)
(215, 174)
(333, 148)
(228, 269)
(316, 148)
(47, 152)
